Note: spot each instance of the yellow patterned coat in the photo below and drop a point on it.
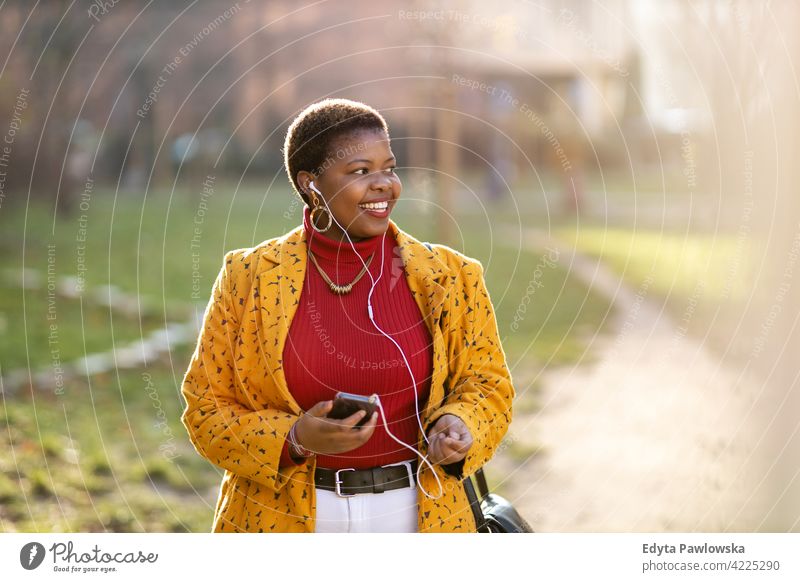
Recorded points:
(239, 408)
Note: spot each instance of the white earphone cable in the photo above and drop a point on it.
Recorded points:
(390, 338)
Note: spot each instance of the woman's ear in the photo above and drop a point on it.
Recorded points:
(304, 179)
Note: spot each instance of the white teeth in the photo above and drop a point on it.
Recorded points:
(375, 205)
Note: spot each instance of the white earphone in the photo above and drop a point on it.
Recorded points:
(390, 338)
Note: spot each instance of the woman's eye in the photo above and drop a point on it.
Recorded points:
(365, 171)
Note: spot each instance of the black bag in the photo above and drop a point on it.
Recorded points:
(493, 513)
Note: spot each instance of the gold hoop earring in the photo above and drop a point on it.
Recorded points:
(314, 222)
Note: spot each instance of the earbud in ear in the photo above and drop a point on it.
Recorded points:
(314, 188)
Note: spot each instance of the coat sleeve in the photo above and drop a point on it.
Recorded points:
(480, 388)
(235, 435)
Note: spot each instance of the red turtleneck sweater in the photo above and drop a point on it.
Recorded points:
(333, 346)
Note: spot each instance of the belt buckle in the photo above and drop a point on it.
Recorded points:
(338, 486)
(408, 469)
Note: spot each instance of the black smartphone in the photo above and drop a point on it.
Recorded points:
(346, 404)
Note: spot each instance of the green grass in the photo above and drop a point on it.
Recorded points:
(145, 245)
(69, 329)
(676, 262)
(702, 278)
(89, 459)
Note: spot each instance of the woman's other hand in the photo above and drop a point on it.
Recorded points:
(450, 440)
(322, 435)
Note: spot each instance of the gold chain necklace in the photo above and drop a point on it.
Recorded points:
(340, 289)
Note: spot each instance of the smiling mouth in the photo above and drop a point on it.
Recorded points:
(375, 206)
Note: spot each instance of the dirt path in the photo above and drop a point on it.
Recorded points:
(654, 436)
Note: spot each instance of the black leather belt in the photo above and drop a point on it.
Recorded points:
(348, 482)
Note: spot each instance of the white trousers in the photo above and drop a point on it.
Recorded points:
(392, 511)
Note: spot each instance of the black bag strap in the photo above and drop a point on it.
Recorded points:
(475, 504)
(483, 487)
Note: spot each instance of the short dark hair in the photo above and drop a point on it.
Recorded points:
(313, 132)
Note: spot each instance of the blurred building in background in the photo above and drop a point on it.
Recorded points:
(549, 77)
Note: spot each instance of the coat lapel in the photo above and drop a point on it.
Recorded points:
(282, 270)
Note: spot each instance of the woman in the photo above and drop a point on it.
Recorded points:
(346, 302)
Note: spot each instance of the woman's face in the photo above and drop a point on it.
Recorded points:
(359, 185)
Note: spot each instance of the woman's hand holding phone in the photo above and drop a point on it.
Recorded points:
(316, 432)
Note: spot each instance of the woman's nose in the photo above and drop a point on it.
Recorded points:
(381, 181)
